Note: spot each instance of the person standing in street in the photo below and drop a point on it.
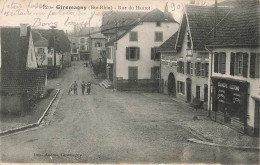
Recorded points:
(88, 87)
(75, 87)
(83, 87)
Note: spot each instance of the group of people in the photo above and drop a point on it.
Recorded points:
(74, 87)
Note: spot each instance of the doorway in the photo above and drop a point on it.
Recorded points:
(171, 85)
(257, 118)
(188, 89)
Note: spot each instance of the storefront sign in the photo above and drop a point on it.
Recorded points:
(230, 86)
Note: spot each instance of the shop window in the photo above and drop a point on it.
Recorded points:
(239, 64)
(255, 65)
(158, 36)
(132, 73)
(132, 53)
(155, 55)
(180, 87)
(220, 62)
(133, 36)
(155, 72)
(198, 92)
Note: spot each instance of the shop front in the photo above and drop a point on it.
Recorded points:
(230, 102)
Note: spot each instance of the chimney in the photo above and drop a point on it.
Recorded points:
(23, 30)
(192, 1)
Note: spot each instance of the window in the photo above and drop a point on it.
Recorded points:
(158, 36)
(132, 73)
(73, 43)
(49, 61)
(197, 68)
(155, 72)
(82, 40)
(202, 69)
(133, 36)
(74, 50)
(239, 64)
(191, 68)
(220, 62)
(180, 87)
(82, 47)
(98, 44)
(40, 50)
(255, 65)
(180, 67)
(132, 53)
(188, 70)
(198, 92)
(158, 24)
(205, 92)
(154, 54)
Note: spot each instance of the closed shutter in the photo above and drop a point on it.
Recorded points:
(187, 68)
(232, 64)
(182, 67)
(216, 62)
(152, 73)
(152, 54)
(245, 64)
(252, 65)
(137, 53)
(127, 53)
(178, 66)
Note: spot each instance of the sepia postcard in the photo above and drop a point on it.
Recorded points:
(129, 82)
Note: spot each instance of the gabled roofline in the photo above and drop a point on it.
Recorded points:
(188, 25)
(178, 33)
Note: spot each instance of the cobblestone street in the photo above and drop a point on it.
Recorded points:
(115, 127)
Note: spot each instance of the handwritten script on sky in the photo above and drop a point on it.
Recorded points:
(65, 14)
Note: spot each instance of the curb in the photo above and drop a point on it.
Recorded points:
(219, 145)
(34, 124)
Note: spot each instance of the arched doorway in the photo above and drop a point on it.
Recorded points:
(171, 85)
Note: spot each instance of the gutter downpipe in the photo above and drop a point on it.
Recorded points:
(209, 81)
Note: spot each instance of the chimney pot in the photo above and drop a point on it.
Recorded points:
(23, 30)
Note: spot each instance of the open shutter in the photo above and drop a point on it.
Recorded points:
(127, 53)
(232, 64)
(252, 65)
(216, 62)
(152, 54)
(245, 64)
(137, 53)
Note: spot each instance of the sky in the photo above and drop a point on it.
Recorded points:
(43, 14)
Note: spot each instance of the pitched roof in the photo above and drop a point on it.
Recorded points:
(39, 40)
(157, 15)
(14, 49)
(169, 45)
(124, 20)
(62, 42)
(241, 27)
(201, 23)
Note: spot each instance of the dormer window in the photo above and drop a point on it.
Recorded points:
(158, 24)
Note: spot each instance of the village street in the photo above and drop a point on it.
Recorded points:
(112, 127)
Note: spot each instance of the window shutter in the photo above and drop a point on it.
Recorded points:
(127, 53)
(152, 73)
(202, 69)
(245, 64)
(178, 66)
(252, 65)
(152, 54)
(137, 53)
(191, 68)
(232, 64)
(216, 62)
(195, 69)
(187, 63)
